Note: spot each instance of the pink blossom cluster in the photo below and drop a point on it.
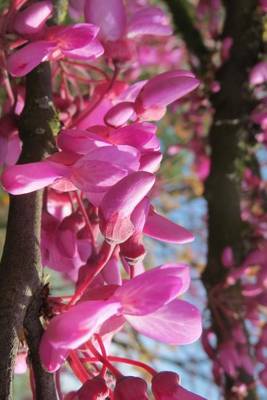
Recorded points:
(98, 187)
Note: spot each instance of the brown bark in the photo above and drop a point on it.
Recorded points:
(229, 141)
(20, 268)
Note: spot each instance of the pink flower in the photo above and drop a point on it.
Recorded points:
(148, 21)
(150, 100)
(166, 386)
(10, 144)
(32, 19)
(162, 90)
(94, 173)
(258, 74)
(148, 302)
(147, 221)
(73, 328)
(65, 245)
(133, 249)
(141, 136)
(119, 202)
(74, 41)
(116, 28)
(130, 388)
(110, 17)
(125, 214)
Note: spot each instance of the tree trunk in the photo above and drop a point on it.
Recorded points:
(20, 268)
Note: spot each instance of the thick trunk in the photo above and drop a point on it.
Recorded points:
(229, 142)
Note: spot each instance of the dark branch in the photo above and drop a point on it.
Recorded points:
(44, 381)
(189, 32)
(230, 141)
(20, 268)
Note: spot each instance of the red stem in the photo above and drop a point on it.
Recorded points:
(87, 220)
(138, 364)
(103, 360)
(58, 386)
(103, 351)
(94, 68)
(124, 360)
(104, 256)
(78, 367)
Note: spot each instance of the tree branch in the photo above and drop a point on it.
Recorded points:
(229, 141)
(190, 34)
(20, 268)
(44, 381)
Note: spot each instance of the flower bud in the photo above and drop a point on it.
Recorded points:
(130, 388)
(165, 386)
(93, 389)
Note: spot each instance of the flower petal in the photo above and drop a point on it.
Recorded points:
(79, 141)
(28, 57)
(139, 215)
(122, 198)
(51, 357)
(26, 178)
(111, 272)
(109, 16)
(139, 135)
(182, 272)
(119, 202)
(159, 227)
(153, 289)
(72, 328)
(150, 162)
(166, 386)
(176, 323)
(92, 50)
(258, 74)
(33, 18)
(119, 114)
(165, 88)
(149, 21)
(95, 175)
(126, 157)
(72, 37)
